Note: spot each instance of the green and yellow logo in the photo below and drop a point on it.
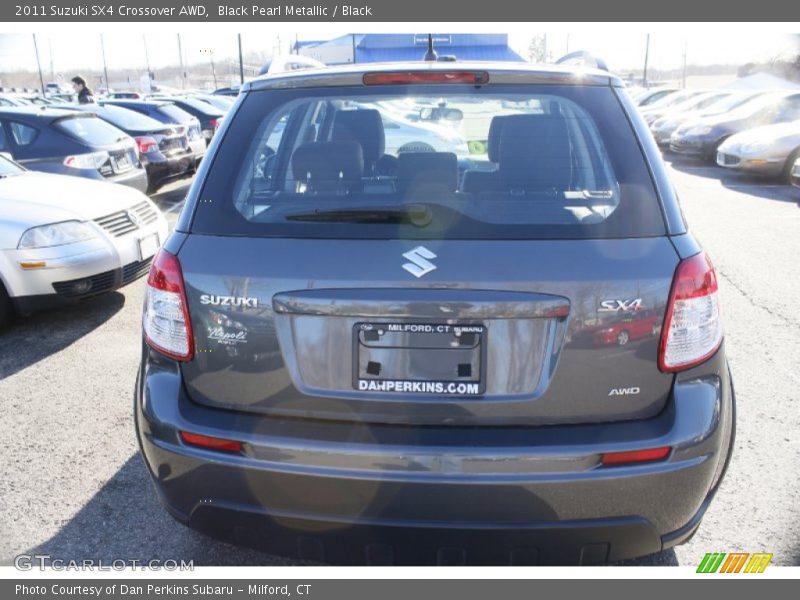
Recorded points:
(734, 562)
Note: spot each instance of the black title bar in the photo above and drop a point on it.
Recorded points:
(450, 11)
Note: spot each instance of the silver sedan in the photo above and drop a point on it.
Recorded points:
(770, 150)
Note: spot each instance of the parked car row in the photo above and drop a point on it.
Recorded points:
(755, 132)
(143, 143)
(66, 233)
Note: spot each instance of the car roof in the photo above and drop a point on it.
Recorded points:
(46, 112)
(499, 72)
(134, 101)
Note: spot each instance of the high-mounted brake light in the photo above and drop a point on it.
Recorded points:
(634, 456)
(692, 330)
(166, 323)
(210, 443)
(422, 77)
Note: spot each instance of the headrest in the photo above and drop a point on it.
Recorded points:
(535, 153)
(417, 169)
(364, 126)
(326, 165)
(493, 141)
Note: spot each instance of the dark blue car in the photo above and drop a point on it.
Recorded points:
(168, 112)
(163, 148)
(70, 143)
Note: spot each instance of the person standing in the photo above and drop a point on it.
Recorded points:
(85, 95)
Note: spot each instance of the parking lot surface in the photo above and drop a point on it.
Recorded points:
(74, 487)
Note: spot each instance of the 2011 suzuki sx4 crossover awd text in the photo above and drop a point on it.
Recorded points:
(355, 355)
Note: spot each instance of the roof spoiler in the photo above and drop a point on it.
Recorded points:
(583, 58)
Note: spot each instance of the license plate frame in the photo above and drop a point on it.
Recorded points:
(456, 350)
(121, 163)
(148, 245)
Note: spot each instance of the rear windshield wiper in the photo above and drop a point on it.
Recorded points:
(417, 215)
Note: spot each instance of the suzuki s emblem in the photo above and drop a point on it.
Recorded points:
(419, 264)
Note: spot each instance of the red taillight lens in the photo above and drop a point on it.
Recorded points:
(214, 123)
(210, 443)
(146, 144)
(634, 456)
(692, 330)
(422, 77)
(166, 323)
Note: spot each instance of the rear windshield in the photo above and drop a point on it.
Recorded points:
(91, 130)
(204, 108)
(177, 114)
(430, 162)
(128, 119)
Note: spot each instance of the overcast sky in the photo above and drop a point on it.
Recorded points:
(622, 46)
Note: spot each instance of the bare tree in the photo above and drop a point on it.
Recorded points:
(537, 49)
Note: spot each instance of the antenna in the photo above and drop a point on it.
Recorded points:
(430, 55)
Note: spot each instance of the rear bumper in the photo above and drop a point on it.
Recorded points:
(354, 494)
(168, 168)
(136, 178)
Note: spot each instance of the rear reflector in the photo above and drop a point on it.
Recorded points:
(692, 330)
(421, 77)
(634, 456)
(211, 443)
(166, 323)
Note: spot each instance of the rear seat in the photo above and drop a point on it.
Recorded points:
(329, 166)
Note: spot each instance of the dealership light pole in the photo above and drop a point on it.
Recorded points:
(105, 67)
(180, 60)
(50, 49)
(646, 57)
(147, 63)
(241, 61)
(38, 63)
(685, 49)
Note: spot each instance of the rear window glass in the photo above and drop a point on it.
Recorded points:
(203, 108)
(91, 130)
(430, 162)
(177, 114)
(125, 118)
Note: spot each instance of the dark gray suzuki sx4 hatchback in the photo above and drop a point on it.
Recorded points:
(435, 313)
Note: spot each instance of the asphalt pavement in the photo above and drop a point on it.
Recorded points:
(74, 487)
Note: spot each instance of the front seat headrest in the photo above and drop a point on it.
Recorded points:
(364, 126)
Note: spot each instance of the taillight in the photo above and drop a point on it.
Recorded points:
(214, 123)
(167, 327)
(146, 144)
(692, 329)
(90, 160)
(210, 443)
(422, 77)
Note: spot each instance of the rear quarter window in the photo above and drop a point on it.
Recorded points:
(490, 162)
(23, 134)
